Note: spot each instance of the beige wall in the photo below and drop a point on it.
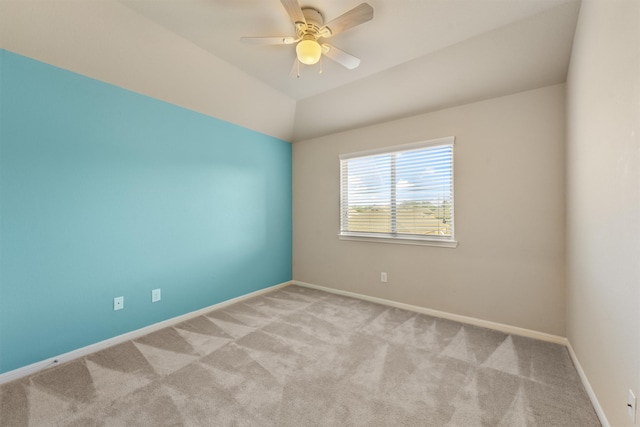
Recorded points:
(603, 204)
(509, 189)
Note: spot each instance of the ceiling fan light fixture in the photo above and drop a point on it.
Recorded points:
(310, 32)
(308, 51)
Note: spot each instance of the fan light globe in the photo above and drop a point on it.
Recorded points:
(308, 52)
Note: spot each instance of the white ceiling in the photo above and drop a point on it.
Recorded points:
(401, 31)
(528, 54)
(416, 55)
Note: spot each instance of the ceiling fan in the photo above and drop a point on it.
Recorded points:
(311, 29)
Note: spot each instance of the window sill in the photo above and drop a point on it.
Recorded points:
(362, 237)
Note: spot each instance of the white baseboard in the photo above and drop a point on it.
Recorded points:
(585, 382)
(444, 315)
(81, 352)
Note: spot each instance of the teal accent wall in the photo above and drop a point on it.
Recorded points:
(105, 193)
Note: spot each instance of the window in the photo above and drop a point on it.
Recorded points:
(402, 194)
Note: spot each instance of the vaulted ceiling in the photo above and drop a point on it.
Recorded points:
(416, 55)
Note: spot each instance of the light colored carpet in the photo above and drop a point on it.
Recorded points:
(301, 357)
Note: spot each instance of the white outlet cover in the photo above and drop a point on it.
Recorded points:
(156, 295)
(118, 303)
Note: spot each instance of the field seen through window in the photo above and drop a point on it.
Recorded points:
(422, 218)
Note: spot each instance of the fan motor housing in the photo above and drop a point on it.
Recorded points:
(315, 21)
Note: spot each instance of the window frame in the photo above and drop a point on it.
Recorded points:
(400, 238)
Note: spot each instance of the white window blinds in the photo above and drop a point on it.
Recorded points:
(403, 192)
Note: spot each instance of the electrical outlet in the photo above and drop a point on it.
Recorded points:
(631, 406)
(383, 277)
(118, 303)
(155, 295)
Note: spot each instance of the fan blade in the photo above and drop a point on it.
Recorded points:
(294, 10)
(356, 16)
(268, 40)
(340, 56)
